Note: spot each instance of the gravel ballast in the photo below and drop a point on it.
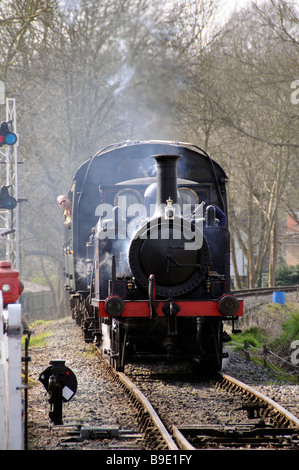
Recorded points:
(100, 402)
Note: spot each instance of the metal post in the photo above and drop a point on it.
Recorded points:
(15, 437)
(247, 353)
(26, 359)
(12, 217)
(265, 350)
(3, 440)
(11, 420)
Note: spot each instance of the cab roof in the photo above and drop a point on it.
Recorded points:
(133, 159)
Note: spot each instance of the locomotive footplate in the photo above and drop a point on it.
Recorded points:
(188, 308)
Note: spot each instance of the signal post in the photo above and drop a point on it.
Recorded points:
(9, 211)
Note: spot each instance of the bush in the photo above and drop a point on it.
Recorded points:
(291, 327)
(254, 336)
(287, 275)
(290, 332)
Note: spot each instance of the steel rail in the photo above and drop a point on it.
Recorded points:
(166, 437)
(264, 290)
(183, 443)
(293, 420)
(288, 418)
(150, 416)
(153, 427)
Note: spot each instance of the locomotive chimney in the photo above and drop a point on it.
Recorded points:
(167, 187)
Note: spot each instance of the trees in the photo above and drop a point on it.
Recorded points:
(83, 77)
(240, 103)
(269, 124)
(99, 72)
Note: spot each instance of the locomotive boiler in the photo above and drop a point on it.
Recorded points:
(147, 257)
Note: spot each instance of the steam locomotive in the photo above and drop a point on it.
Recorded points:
(147, 256)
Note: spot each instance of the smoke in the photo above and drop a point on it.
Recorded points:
(81, 268)
(140, 91)
(106, 261)
(122, 78)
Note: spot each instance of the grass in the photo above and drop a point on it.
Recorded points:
(91, 351)
(254, 336)
(39, 340)
(290, 332)
(281, 346)
(257, 336)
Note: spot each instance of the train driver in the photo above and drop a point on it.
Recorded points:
(66, 205)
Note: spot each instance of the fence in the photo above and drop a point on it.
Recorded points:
(270, 359)
(11, 420)
(37, 305)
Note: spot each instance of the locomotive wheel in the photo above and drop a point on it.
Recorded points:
(87, 328)
(210, 346)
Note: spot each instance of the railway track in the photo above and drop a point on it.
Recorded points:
(173, 409)
(155, 432)
(264, 291)
(273, 426)
(281, 432)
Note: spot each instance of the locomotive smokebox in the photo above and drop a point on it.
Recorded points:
(167, 187)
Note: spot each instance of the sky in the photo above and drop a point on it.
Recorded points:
(229, 5)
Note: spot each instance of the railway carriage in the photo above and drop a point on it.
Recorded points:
(147, 257)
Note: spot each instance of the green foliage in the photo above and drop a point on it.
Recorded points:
(290, 332)
(254, 336)
(257, 337)
(114, 70)
(39, 280)
(291, 327)
(287, 275)
(39, 340)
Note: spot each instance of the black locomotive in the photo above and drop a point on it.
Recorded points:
(147, 257)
